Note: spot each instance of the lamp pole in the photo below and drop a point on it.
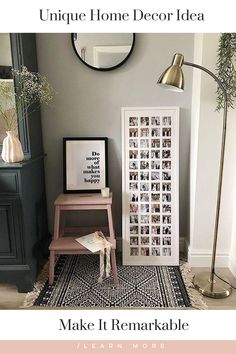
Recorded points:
(197, 280)
(173, 77)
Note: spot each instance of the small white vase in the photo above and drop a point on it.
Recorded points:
(12, 148)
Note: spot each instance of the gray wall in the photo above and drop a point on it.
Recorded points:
(88, 103)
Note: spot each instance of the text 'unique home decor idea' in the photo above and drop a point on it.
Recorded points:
(150, 185)
(85, 164)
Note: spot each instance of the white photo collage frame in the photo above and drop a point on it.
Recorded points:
(150, 185)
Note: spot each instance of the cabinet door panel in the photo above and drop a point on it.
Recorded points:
(10, 231)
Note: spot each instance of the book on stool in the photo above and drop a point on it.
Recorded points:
(97, 242)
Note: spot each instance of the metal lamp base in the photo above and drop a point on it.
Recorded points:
(217, 290)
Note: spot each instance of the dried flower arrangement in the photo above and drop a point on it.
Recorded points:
(32, 90)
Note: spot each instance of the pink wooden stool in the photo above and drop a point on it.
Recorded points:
(62, 244)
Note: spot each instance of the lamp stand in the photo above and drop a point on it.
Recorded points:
(206, 282)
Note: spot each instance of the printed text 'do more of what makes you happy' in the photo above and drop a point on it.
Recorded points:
(137, 15)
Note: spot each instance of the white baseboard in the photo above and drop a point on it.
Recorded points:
(202, 258)
(232, 266)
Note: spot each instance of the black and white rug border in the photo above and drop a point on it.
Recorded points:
(196, 299)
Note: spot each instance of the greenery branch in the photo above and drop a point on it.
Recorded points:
(225, 68)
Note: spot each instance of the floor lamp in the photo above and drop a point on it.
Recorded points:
(173, 78)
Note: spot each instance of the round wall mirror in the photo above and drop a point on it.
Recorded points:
(103, 51)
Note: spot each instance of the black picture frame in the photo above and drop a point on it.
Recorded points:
(74, 35)
(85, 164)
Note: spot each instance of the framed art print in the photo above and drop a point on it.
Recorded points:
(85, 164)
(150, 179)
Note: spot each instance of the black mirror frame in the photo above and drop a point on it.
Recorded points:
(103, 69)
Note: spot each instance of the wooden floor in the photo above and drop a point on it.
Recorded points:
(11, 299)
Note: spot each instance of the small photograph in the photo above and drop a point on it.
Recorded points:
(133, 186)
(166, 154)
(133, 165)
(144, 154)
(144, 187)
(166, 165)
(166, 132)
(166, 241)
(166, 251)
(144, 165)
(144, 240)
(133, 230)
(144, 219)
(155, 120)
(133, 240)
(166, 176)
(155, 208)
(155, 219)
(155, 165)
(133, 176)
(133, 208)
(133, 143)
(166, 197)
(156, 241)
(166, 120)
(133, 154)
(133, 219)
(144, 208)
(144, 132)
(144, 197)
(155, 251)
(166, 186)
(133, 121)
(155, 143)
(155, 186)
(166, 208)
(144, 143)
(166, 219)
(144, 176)
(145, 230)
(155, 175)
(133, 197)
(155, 132)
(166, 230)
(134, 251)
(133, 132)
(155, 154)
(156, 230)
(144, 251)
(144, 121)
(155, 197)
(166, 143)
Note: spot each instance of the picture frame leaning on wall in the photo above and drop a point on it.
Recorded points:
(150, 185)
(85, 164)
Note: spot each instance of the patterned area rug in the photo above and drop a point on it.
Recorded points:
(75, 286)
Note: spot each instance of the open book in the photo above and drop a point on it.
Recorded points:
(93, 242)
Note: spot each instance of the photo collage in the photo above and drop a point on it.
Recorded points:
(150, 186)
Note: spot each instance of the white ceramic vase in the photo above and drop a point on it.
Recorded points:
(12, 148)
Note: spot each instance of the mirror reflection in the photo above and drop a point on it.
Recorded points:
(103, 51)
(6, 77)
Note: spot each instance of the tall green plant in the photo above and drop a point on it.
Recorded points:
(226, 55)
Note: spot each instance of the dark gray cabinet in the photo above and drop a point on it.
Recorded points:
(23, 214)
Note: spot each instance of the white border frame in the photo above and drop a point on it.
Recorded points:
(126, 112)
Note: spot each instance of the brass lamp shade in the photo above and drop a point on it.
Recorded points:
(173, 77)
